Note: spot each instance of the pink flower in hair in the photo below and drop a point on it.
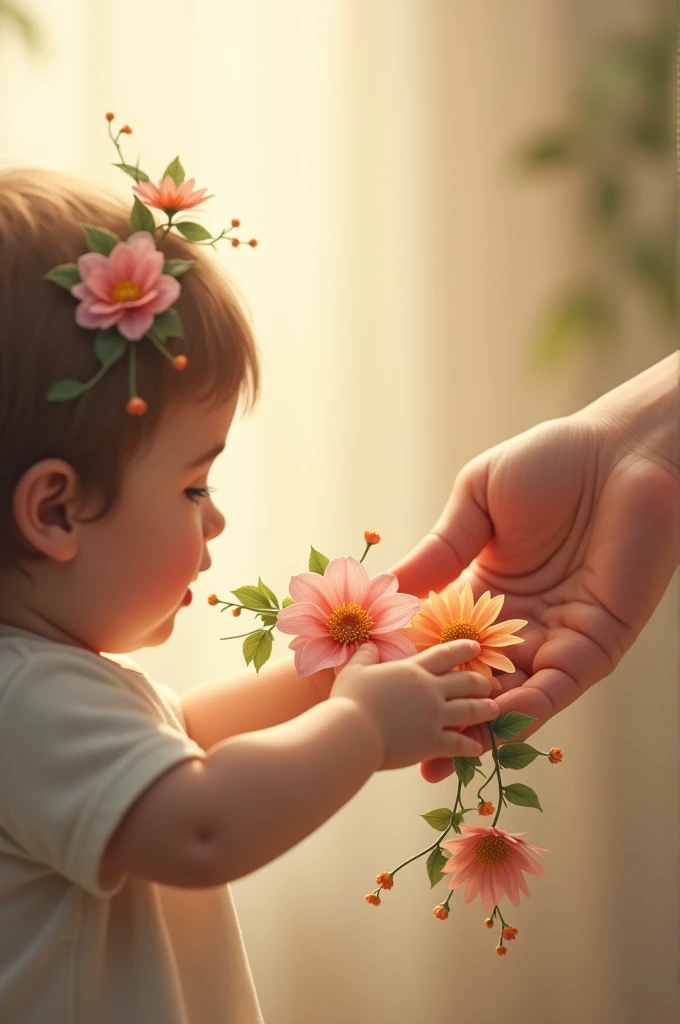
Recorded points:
(125, 289)
(336, 613)
(169, 196)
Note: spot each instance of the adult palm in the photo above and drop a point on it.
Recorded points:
(575, 521)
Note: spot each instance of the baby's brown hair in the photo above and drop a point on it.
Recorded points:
(41, 225)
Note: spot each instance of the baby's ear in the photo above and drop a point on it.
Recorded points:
(45, 503)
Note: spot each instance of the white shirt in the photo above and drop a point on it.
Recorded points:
(81, 737)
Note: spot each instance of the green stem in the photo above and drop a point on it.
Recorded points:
(368, 548)
(497, 771)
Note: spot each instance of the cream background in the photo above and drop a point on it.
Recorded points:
(400, 269)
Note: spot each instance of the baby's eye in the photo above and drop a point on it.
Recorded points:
(196, 493)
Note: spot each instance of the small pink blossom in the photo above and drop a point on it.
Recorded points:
(169, 197)
(125, 289)
(491, 861)
(336, 613)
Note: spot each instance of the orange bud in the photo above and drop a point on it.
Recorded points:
(110, 116)
(213, 599)
(441, 912)
(555, 755)
(136, 406)
(236, 612)
(235, 242)
(502, 950)
(252, 242)
(371, 537)
(126, 129)
(509, 933)
(489, 922)
(385, 880)
(180, 362)
(373, 899)
(236, 223)
(485, 809)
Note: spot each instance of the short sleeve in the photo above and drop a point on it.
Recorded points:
(77, 749)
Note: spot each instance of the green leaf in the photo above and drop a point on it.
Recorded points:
(317, 562)
(287, 602)
(109, 346)
(257, 648)
(167, 325)
(435, 863)
(464, 769)
(66, 275)
(575, 318)
(192, 232)
(456, 823)
(252, 598)
(517, 755)
(523, 796)
(141, 218)
(511, 724)
(269, 594)
(268, 620)
(135, 172)
(99, 239)
(64, 390)
(551, 150)
(439, 818)
(175, 268)
(175, 171)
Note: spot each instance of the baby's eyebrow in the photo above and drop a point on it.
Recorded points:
(208, 456)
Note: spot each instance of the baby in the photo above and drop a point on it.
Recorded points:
(125, 811)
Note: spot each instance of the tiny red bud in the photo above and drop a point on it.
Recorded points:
(502, 950)
(180, 362)
(236, 612)
(235, 242)
(373, 899)
(441, 912)
(236, 223)
(385, 880)
(555, 755)
(126, 129)
(213, 599)
(371, 537)
(110, 116)
(509, 933)
(252, 242)
(136, 406)
(489, 922)
(485, 809)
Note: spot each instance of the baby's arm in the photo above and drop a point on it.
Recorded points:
(219, 709)
(213, 819)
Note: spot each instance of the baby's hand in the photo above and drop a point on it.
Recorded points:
(415, 704)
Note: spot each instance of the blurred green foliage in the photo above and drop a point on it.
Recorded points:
(622, 123)
(16, 17)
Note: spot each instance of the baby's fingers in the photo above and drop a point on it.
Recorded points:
(443, 657)
(468, 711)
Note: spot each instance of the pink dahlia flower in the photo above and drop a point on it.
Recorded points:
(169, 197)
(125, 289)
(336, 613)
(490, 861)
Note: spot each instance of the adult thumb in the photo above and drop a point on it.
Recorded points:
(458, 536)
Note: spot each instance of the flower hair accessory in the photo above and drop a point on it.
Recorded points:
(126, 289)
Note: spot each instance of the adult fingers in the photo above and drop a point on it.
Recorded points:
(459, 535)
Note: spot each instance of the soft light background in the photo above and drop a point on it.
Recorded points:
(401, 264)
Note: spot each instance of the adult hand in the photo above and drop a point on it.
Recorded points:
(576, 522)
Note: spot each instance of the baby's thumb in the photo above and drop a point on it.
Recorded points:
(368, 654)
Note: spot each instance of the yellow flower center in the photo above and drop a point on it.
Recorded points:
(459, 631)
(348, 623)
(492, 851)
(125, 291)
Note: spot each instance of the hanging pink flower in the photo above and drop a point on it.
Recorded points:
(336, 613)
(125, 289)
(169, 197)
(491, 861)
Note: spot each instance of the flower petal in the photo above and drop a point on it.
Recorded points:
(467, 603)
(142, 242)
(349, 580)
(491, 612)
(310, 586)
(439, 608)
(90, 262)
(479, 607)
(504, 628)
(135, 323)
(319, 653)
(452, 599)
(420, 636)
(385, 583)
(302, 619)
(391, 611)
(495, 660)
(393, 646)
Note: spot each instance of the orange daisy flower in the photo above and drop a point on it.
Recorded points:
(454, 616)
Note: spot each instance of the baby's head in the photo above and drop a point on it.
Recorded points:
(102, 523)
